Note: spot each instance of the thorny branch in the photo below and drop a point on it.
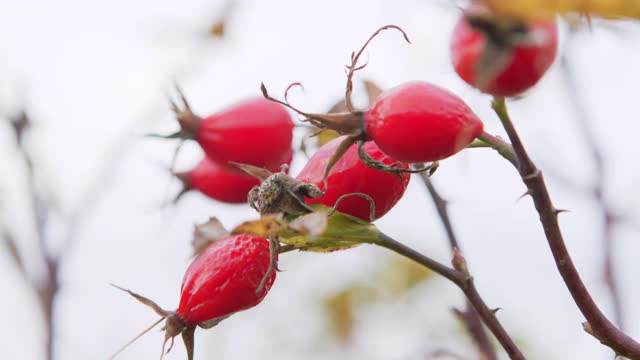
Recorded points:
(597, 323)
(598, 188)
(469, 316)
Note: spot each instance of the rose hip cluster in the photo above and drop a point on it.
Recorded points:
(222, 137)
(402, 128)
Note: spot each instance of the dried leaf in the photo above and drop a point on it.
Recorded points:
(400, 275)
(267, 225)
(207, 233)
(260, 173)
(531, 9)
(373, 91)
(339, 309)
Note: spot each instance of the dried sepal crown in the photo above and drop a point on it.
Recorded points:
(279, 192)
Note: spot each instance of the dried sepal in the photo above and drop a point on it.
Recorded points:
(279, 192)
(353, 67)
(395, 168)
(206, 234)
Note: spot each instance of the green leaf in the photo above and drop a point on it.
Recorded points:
(317, 231)
(321, 232)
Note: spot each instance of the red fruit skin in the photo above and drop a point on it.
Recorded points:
(351, 175)
(528, 64)
(255, 132)
(224, 279)
(225, 183)
(421, 122)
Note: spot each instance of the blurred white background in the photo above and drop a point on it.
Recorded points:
(94, 76)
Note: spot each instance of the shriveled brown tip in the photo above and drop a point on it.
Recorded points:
(264, 91)
(150, 303)
(260, 173)
(206, 234)
(340, 151)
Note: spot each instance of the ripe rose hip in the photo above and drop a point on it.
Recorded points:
(415, 122)
(222, 183)
(496, 64)
(224, 279)
(420, 122)
(351, 175)
(254, 131)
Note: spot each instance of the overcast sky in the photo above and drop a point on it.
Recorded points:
(94, 77)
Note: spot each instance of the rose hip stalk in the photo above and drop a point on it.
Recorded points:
(415, 122)
(502, 58)
(230, 275)
(254, 131)
(222, 183)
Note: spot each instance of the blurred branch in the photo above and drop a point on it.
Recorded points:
(48, 287)
(597, 323)
(469, 316)
(460, 276)
(599, 187)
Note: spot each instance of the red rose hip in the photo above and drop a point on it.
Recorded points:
(255, 131)
(520, 65)
(222, 183)
(350, 175)
(230, 275)
(421, 122)
(224, 278)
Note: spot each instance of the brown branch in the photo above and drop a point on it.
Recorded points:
(598, 190)
(597, 323)
(460, 276)
(47, 288)
(469, 316)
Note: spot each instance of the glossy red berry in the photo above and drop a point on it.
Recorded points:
(351, 175)
(224, 279)
(232, 274)
(223, 183)
(256, 132)
(524, 64)
(421, 122)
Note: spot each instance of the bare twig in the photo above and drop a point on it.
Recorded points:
(469, 316)
(459, 275)
(597, 323)
(598, 189)
(47, 288)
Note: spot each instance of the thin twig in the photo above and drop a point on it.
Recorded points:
(469, 316)
(46, 288)
(597, 323)
(598, 190)
(458, 275)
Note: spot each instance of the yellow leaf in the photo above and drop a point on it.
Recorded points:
(531, 9)
(267, 225)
